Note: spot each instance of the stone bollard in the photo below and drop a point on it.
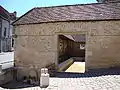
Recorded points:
(44, 79)
(45, 70)
(42, 71)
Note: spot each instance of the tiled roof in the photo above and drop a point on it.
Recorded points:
(79, 38)
(13, 16)
(4, 13)
(95, 11)
(76, 38)
(108, 1)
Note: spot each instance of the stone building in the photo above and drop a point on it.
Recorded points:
(6, 52)
(6, 19)
(38, 32)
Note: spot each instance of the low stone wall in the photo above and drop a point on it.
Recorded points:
(80, 59)
(6, 76)
(64, 65)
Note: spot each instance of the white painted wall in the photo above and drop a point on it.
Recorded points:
(6, 43)
(11, 28)
(7, 25)
(7, 60)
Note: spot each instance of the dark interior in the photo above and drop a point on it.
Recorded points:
(69, 48)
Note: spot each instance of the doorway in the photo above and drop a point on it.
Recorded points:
(71, 53)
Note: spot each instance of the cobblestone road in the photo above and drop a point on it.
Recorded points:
(95, 80)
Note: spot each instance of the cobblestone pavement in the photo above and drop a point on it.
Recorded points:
(94, 80)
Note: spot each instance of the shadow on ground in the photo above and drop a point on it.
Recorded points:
(91, 73)
(17, 85)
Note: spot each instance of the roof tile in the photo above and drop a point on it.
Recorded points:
(71, 12)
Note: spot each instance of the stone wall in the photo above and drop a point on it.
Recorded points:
(76, 51)
(62, 47)
(70, 48)
(6, 77)
(36, 44)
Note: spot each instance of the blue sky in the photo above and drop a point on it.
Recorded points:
(22, 6)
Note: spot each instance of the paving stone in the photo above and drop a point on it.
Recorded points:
(107, 80)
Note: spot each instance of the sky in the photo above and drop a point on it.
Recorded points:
(22, 6)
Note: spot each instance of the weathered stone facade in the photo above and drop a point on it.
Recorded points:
(37, 44)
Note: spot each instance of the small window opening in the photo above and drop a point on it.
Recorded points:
(5, 29)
